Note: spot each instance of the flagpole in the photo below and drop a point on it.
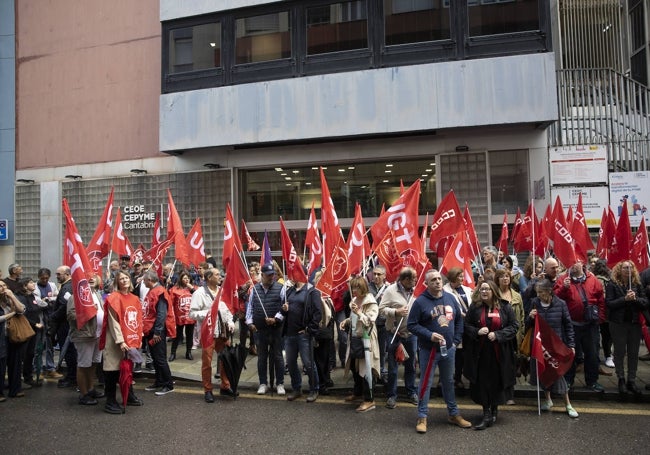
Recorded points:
(539, 402)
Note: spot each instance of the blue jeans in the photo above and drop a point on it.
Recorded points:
(446, 366)
(411, 344)
(299, 344)
(270, 340)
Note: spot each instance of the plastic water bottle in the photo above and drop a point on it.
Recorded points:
(443, 348)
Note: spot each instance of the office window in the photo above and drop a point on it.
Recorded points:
(493, 17)
(195, 48)
(415, 21)
(262, 38)
(508, 181)
(337, 27)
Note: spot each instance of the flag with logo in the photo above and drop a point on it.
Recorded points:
(447, 220)
(640, 247)
(358, 244)
(619, 249)
(100, 244)
(502, 243)
(293, 264)
(175, 231)
(459, 255)
(554, 358)
(331, 229)
(196, 244)
(313, 242)
(231, 240)
(246, 237)
(580, 232)
(76, 258)
(120, 243)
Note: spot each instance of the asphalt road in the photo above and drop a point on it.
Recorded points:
(49, 420)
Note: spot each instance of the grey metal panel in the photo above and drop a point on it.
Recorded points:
(173, 9)
(494, 91)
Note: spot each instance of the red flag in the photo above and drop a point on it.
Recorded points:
(447, 220)
(99, 245)
(312, 241)
(640, 247)
(388, 257)
(569, 218)
(527, 231)
(138, 254)
(546, 230)
(402, 219)
(76, 258)
(580, 233)
(336, 272)
(120, 243)
(502, 243)
(294, 270)
(423, 264)
(236, 276)
(471, 232)
(516, 225)
(621, 244)
(246, 237)
(562, 238)
(553, 357)
(175, 231)
(157, 236)
(209, 323)
(377, 240)
(358, 245)
(329, 221)
(459, 255)
(156, 254)
(606, 232)
(196, 244)
(231, 240)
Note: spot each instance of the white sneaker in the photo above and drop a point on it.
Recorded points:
(261, 390)
(609, 362)
(280, 389)
(546, 405)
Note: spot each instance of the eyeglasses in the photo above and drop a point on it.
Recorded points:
(377, 274)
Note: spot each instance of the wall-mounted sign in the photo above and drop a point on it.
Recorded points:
(594, 200)
(577, 164)
(4, 230)
(137, 217)
(633, 187)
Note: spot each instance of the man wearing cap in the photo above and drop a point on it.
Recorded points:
(264, 316)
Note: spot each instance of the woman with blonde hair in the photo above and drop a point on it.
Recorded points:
(626, 301)
(364, 312)
(490, 330)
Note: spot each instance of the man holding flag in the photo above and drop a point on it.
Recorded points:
(553, 337)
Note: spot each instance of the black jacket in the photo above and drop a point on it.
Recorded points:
(621, 310)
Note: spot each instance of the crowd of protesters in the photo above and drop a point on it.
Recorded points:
(469, 334)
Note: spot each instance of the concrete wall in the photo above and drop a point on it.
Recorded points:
(471, 93)
(88, 77)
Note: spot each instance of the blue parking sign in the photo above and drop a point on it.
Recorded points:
(4, 234)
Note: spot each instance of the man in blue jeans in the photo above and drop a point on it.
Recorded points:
(395, 306)
(436, 321)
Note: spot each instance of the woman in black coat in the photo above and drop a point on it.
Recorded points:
(488, 340)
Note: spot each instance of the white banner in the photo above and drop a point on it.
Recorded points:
(577, 164)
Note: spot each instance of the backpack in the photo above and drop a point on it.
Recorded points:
(327, 312)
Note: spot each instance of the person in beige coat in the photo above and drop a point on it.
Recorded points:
(364, 312)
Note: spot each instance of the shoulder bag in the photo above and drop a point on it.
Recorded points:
(19, 329)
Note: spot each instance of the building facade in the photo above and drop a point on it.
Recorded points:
(243, 101)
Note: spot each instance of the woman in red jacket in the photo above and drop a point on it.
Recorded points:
(181, 297)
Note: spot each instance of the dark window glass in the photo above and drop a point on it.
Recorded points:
(508, 180)
(262, 38)
(637, 27)
(415, 21)
(195, 48)
(493, 17)
(337, 27)
(639, 67)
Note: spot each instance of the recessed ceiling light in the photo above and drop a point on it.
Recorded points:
(425, 175)
(213, 44)
(350, 167)
(432, 164)
(388, 171)
(288, 184)
(315, 168)
(296, 171)
(384, 181)
(283, 174)
(341, 170)
(389, 165)
(279, 169)
(307, 183)
(287, 178)
(428, 170)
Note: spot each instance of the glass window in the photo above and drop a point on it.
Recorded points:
(195, 48)
(508, 181)
(415, 21)
(494, 17)
(289, 191)
(262, 38)
(337, 27)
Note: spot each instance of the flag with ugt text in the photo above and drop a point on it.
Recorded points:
(231, 240)
(196, 244)
(313, 242)
(358, 245)
(76, 258)
(120, 243)
(554, 358)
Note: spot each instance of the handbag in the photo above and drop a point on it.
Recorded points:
(19, 329)
(526, 343)
(590, 311)
(357, 350)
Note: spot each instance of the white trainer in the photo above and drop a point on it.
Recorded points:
(261, 390)
(609, 362)
(280, 389)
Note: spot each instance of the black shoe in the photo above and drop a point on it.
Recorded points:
(134, 401)
(595, 387)
(486, 422)
(324, 391)
(495, 412)
(96, 393)
(87, 400)
(228, 393)
(188, 355)
(152, 388)
(631, 386)
(172, 357)
(164, 391)
(209, 397)
(113, 408)
(621, 386)
(329, 383)
(64, 383)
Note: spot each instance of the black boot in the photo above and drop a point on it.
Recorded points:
(487, 420)
(621, 386)
(631, 386)
(172, 356)
(188, 354)
(495, 411)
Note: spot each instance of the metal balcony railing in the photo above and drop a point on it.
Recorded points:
(603, 106)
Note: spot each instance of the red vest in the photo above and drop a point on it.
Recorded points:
(128, 312)
(182, 298)
(149, 316)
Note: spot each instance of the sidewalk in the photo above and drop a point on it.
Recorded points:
(190, 370)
